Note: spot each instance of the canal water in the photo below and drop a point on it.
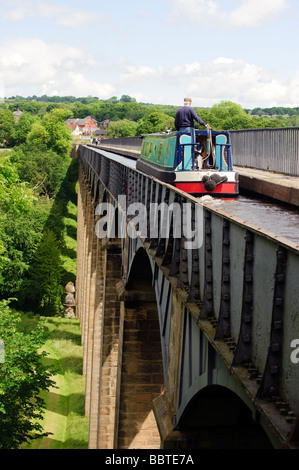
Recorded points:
(266, 214)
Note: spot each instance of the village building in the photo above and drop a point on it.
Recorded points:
(86, 126)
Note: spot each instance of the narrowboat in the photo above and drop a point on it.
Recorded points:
(199, 165)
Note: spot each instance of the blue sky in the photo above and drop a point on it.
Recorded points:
(156, 51)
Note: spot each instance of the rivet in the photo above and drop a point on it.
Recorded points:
(278, 324)
(275, 347)
(274, 369)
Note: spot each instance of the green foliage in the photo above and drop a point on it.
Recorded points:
(38, 134)
(22, 223)
(60, 139)
(22, 377)
(127, 108)
(16, 203)
(46, 273)
(228, 116)
(127, 99)
(20, 236)
(6, 127)
(23, 127)
(52, 131)
(154, 122)
(43, 169)
(15, 196)
(124, 128)
(32, 107)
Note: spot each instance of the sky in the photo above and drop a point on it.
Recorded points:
(156, 51)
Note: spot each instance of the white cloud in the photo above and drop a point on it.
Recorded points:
(19, 11)
(140, 72)
(294, 89)
(2, 91)
(66, 15)
(235, 80)
(63, 15)
(211, 82)
(31, 66)
(76, 84)
(253, 13)
(250, 14)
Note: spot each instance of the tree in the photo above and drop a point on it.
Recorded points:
(228, 116)
(124, 128)
(16, 202)
(46, 274)
(7, 127)
(15, 196)
(60, 139)
(127, 99)
(154, 121)
(22, 377)
(43, 169)
(38, 134)
(23, 127)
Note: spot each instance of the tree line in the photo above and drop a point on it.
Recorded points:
(130, 118)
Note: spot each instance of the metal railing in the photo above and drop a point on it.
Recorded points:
(267, 149)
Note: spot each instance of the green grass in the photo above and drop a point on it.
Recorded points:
(64, 410)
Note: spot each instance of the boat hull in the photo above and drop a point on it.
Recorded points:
(221, 190)
(191, 182)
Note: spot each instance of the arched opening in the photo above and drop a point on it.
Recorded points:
(142, 368)
(217, 418)
(141, 273)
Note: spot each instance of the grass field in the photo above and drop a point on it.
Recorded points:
(64, 414)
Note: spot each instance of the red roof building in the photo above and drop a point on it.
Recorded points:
(86, 126)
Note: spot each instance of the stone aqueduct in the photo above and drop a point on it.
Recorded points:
(183, 348)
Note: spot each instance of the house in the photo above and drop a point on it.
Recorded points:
(74, 128)
(104, 124)
(86, 126)
(100, 133)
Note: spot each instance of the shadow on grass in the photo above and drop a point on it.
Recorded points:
(66, 364)
(68, 335)
(60, 404)
(49, 443)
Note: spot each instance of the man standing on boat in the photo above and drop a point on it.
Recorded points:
(185, 117)
(184, 122)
